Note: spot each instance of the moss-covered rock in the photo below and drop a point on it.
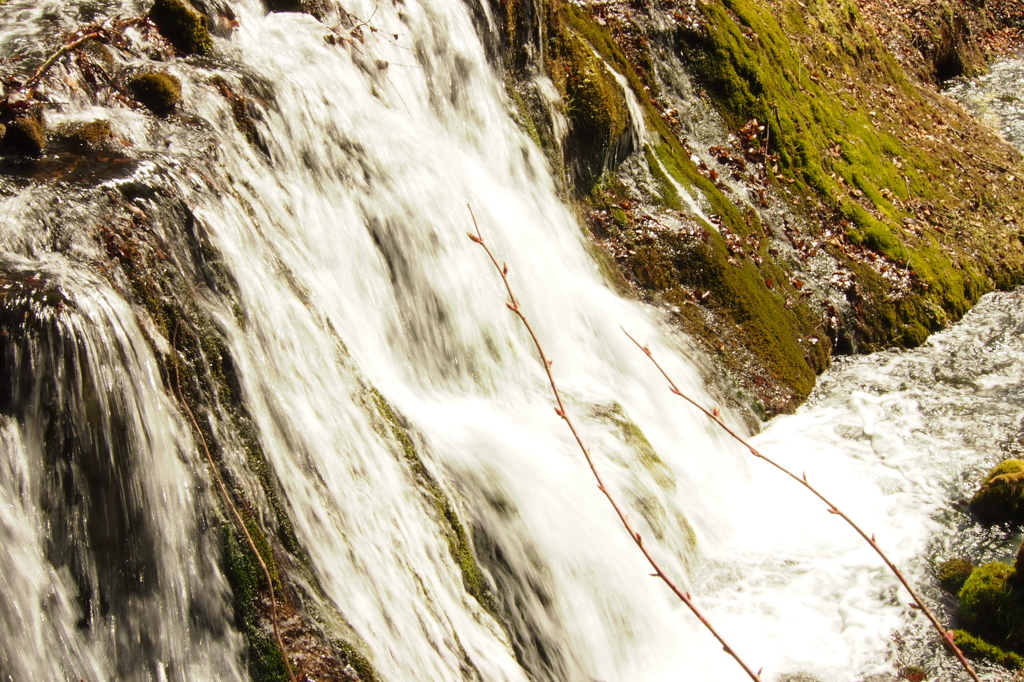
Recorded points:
(595, 105)
(1000, 499)
(992, 606)
(459, 542)
(23, 137)
(158, 92)
(977, 648)
(953, 574)
(313, 7)
(83, 134)
(183, 25)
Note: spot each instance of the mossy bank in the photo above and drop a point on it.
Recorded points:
(852, 208)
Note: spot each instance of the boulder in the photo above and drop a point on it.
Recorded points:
(183, 25)
(158, 92)
(954, 573)
(1000, 499)
(24, 137)
(83, 134)
(992, 607)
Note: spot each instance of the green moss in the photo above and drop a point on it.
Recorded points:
(977, 648)
(183, 25)
(953, 574)
(23, 137)
(991, 607)
(158, 92)
(1005, 468)
(1001, 495)
(834, 101)
(459, 544)
(633, 436)
(84, 134)
(594, 103)
(266, 663)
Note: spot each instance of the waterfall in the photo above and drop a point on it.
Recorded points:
(306, 283)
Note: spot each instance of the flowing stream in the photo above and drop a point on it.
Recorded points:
(331, 260)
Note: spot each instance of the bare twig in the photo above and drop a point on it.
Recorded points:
(234, 510)
(513, 305)
(716, 416)
(101, 32)
(57, 55)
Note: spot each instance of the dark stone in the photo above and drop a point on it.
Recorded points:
(1000, 499)
(954, 573)
(24, 136)
(158, 92)
(83, 134)
(183, 25)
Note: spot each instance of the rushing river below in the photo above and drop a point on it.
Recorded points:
(900, 440)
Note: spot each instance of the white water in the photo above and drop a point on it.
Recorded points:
(356, 231)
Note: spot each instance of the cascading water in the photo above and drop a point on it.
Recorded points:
(369, 389)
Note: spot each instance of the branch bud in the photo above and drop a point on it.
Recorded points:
(474, 238)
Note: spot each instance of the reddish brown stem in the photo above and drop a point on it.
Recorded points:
(715, 416)
(101, 32)
(234, 510)
(513, 305)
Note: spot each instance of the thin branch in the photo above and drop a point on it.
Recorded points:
(513, 305)
(104, 31)
(41, 71)
(716, 416)
(234, 510)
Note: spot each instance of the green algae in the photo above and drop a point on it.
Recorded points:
(633, 436)
(245, 576)
(459, 544)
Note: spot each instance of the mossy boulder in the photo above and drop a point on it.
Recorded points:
(158, 92)
(992, 606)
(313, 7)
(1000, 499)
(975, 647)
(183, 25)
(596, 109)
(83, 134)
(23, 137)
(953, 574)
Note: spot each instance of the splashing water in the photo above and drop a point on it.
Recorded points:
(349, 277)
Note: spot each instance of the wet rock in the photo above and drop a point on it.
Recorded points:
(954, 573)
(158, 92)
(183, 25)
(992, 606)
(83, 134)
(1000, 499)
(24, 137)
(313, 7)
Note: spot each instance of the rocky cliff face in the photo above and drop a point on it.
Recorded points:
(801, 187)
